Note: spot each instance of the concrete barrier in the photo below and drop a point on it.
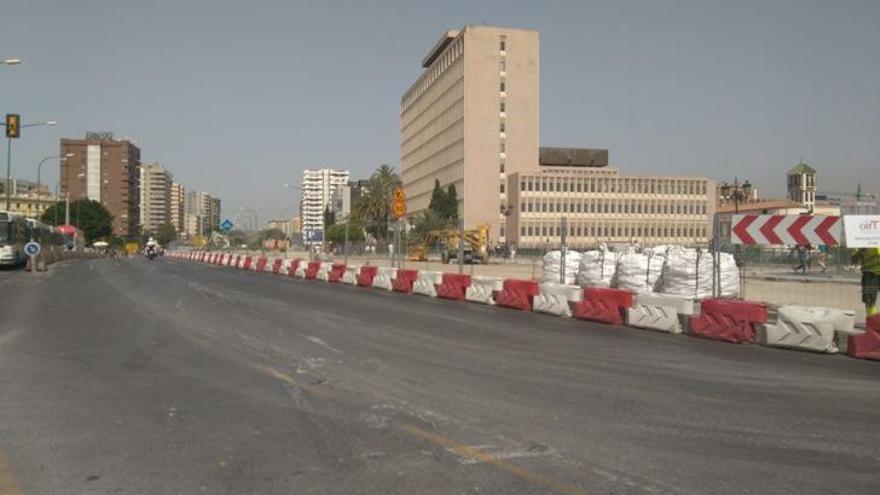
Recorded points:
(404, 280)
(453, 286)
(324, 271)
(517, 294)
(336, 272)
(555, 299)
(661, 312)
(482, 290)
(806, 328)
(366, 276)
(351, 274)
(292, 267)
(301, 269)
(866, 345)
(604, 305)
(276, 265)
(728, 320)
(385, 277)
(426, 283)
(261, 264)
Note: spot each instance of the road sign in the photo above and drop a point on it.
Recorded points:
(398, 204)
(13, 125)
(792, 230)
(227, 225)
(32, 248)
(862, 231)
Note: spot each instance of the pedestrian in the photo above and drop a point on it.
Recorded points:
(512, 250)
(869, 258)
(822, 257)
(801, 252)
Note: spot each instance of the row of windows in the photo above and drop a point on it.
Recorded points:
(442, 95)
(613, 185)
(502, 108)
(557, 205)
(607, 231)
(450, 55)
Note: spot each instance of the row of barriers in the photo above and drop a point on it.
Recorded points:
(808, 328)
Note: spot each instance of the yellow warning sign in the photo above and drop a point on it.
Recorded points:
(398, 205)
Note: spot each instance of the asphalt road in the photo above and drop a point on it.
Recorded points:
(138, 377)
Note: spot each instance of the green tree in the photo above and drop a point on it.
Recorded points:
(166, 233)
(275, 234)
(450, 204)
(336, 233)
(425, 222)
(374, 208)
(329, 216)
(438, 198)
(87, 215)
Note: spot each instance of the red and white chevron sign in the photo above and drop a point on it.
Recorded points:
(770, 230)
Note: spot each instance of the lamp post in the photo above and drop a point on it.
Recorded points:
(9, 159)
(39, 170)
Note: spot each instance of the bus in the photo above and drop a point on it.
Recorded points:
(14, 234)
(50, 238)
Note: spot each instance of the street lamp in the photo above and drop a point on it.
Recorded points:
(39, 169)
(9, 159)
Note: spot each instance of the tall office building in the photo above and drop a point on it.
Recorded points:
(104, 169)
(178, 200)
(202, 213)
(318, 188)
(470, 119)
(155, 201)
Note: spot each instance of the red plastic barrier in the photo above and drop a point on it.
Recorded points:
(366, 275)
(229, 260)
(247, 263)
(276, 265)
(237, 260)
(728, 320)
(517, 294)
(453, 286)
(291, 269)
(312, 270)
(404, 281)
(867, 345)
(603, 305)
(261, 264)
(336, 273)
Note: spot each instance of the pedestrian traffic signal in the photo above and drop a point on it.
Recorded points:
(13, 125)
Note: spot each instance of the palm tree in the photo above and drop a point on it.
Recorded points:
(374, 207)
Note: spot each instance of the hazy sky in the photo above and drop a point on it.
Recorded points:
(237, 97)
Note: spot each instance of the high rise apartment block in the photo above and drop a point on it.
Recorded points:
(201, 213)
(318, 188)
(155, 197)
(177, 203)
(104, 169)
(470, 119)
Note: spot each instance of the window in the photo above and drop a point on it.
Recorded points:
(502, 45)
(502, 66)
(501, 106)
(502, 188)
(501, 147)
(501, 126)
(503, 86)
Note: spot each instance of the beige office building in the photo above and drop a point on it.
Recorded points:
(602, 206)
(471, 119)
(155, 201)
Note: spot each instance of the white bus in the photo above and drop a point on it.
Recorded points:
(14, 234)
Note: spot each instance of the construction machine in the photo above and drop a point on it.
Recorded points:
(476, 245)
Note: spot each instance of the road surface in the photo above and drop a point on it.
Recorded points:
(138, 377)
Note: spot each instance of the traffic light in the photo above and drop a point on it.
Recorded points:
(13, 125)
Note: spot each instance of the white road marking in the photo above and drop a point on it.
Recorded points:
(321, 343)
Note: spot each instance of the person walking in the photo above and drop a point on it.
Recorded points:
(869, 259)
(822, 258)
(801, 251)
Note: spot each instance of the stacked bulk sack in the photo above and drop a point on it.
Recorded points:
(553, 267)
(597, 268)
(688, 272)
(640, 272)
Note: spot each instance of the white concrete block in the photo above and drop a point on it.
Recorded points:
(324, 271)
(301, 270)
(384, 277)
(683, 305)
(482, 289)
(426, 283)
(842, 320)
(555, 299)
(801, 327)
(351, 274)
(654, 317)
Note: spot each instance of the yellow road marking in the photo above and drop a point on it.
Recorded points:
(478, 455)
(284, 377)
(7, 483)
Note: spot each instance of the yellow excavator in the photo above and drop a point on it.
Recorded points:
(476, 245)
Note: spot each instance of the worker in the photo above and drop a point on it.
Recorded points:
(869, 258)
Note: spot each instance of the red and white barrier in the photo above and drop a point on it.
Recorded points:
(483, 289)
(728, 320)
(366, 275)
(385, 277)
(770, 230)
(405, 280)
(603, 305)
(517, 294)
(426, 283)
(453, 286)
(351, 274)
(556, 299)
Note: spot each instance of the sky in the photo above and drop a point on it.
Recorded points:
(239, 97)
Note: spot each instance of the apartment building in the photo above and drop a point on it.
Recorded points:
(177, 207)
(201, 213)
(155, 197)
(26, 199)
(470, 119)
(106, 170)
(602, 206)
(318, 189)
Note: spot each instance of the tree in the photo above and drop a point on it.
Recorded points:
(166, 233)
(438, 198)
(274, 234)
(336, 233)
(87, 215)
(450, 205)
(425, 222)
(374, 208)
(329, 216)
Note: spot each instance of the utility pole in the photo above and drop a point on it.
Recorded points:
(562, 251)
(461, 245)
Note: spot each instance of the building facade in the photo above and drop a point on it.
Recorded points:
(177, 203)
(201, 213)
(155, 197)
(318, 188)
(602, 206)
(470, 119)
(26, 199)
(802, 187)
(106, 170)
